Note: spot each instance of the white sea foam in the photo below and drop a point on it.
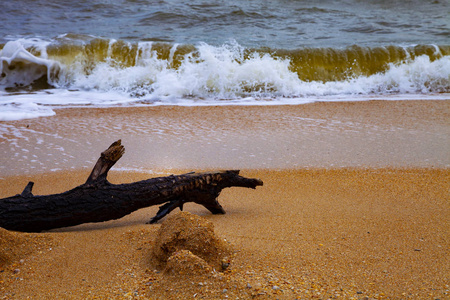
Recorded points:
(210, 76)
(19, 67)
(25, 110)
(218, 73)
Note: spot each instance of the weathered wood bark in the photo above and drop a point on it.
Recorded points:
(97, 200)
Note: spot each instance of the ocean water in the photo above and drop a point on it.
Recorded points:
(256, 52)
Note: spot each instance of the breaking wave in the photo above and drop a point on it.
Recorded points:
(88, 70)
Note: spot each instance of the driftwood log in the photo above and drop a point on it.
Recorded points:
(98, 200)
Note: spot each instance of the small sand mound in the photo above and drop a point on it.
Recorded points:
(185, 262)
(12, 246)
(185, 231)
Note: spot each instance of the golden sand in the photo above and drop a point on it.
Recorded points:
(355, 202)
(343, 233)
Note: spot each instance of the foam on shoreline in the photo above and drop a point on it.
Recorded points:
(340, 134)
(39, 75)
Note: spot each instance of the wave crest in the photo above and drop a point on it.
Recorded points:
(98, 71)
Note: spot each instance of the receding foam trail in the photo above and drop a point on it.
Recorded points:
(27, 110)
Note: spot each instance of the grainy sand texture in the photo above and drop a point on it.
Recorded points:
(344, 231)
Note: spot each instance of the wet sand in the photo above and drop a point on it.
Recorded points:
(312, 231)
(353, 134)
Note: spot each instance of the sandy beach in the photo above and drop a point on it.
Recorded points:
(341, 134)
(355, 201)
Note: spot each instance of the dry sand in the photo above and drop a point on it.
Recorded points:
(325, 233)
(361, 233)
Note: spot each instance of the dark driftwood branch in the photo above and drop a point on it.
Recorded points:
(107, 159)
(98, 200)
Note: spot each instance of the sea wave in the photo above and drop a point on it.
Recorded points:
(81, 70)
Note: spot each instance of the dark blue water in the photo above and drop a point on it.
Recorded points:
(128, 52)
(286, 24)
